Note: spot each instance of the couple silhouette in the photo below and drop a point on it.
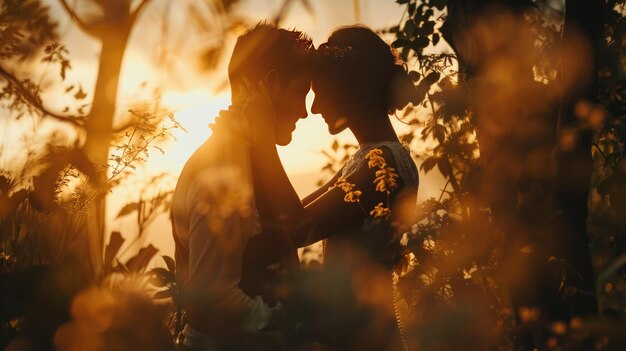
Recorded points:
(237, 221)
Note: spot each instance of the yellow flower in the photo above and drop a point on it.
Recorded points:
(380, 211)
(344, 185)
(352, 196)
(375, 159)
(386, 179)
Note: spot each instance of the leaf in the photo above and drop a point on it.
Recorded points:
(128, 209)
(168, 276)
(80, 94)
(438, 4)
(65, 65)
(432, 78)
(411, 8)
(43, 196)
(161, 277)
(211, 57)
(429, 164)
(414, 75)
(419, 43)
(163, 294)
(111, 250)
(171, 264)
(440, 133)
(436, 38)
(400, 43)
(444, 167)
(141, 259)
(409, 28)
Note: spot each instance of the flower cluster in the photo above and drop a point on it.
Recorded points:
(351, 194)
(380, 211)
(386, 181)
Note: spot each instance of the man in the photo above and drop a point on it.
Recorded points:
(224, 222)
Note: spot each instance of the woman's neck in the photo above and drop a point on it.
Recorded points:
(374, 129)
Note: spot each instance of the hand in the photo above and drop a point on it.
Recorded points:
(258, 112)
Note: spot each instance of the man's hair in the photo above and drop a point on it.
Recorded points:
(267, 47)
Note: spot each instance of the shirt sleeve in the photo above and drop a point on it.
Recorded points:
(220, 223)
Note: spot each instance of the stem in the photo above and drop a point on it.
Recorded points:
(35, 102)
(443, 191)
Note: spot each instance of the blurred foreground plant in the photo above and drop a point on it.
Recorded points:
(502, 260)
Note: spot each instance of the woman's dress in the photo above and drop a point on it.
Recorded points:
(358, 283)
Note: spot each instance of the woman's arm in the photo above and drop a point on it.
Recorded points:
(321, 190)
(335, 210)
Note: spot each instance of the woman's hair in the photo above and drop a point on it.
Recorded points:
(365, 71)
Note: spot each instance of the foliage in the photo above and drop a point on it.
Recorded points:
(43, 216)
(49, 202)
(472, 257)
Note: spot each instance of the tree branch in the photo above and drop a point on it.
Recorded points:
(135, 14)
(35, 102)
(75, 18)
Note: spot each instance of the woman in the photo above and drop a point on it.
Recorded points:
(358, 82)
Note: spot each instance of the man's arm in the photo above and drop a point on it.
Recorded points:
(218, 307)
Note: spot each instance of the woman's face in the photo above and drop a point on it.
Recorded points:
(328, 103)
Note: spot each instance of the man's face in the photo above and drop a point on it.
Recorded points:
(290, 104)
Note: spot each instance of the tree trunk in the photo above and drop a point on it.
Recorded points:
(582, 30)
(99, 130)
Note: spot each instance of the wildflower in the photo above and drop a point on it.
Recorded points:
(352, 196)
(380, 211)
(375, 159)
(344, 185)
(386, 179)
